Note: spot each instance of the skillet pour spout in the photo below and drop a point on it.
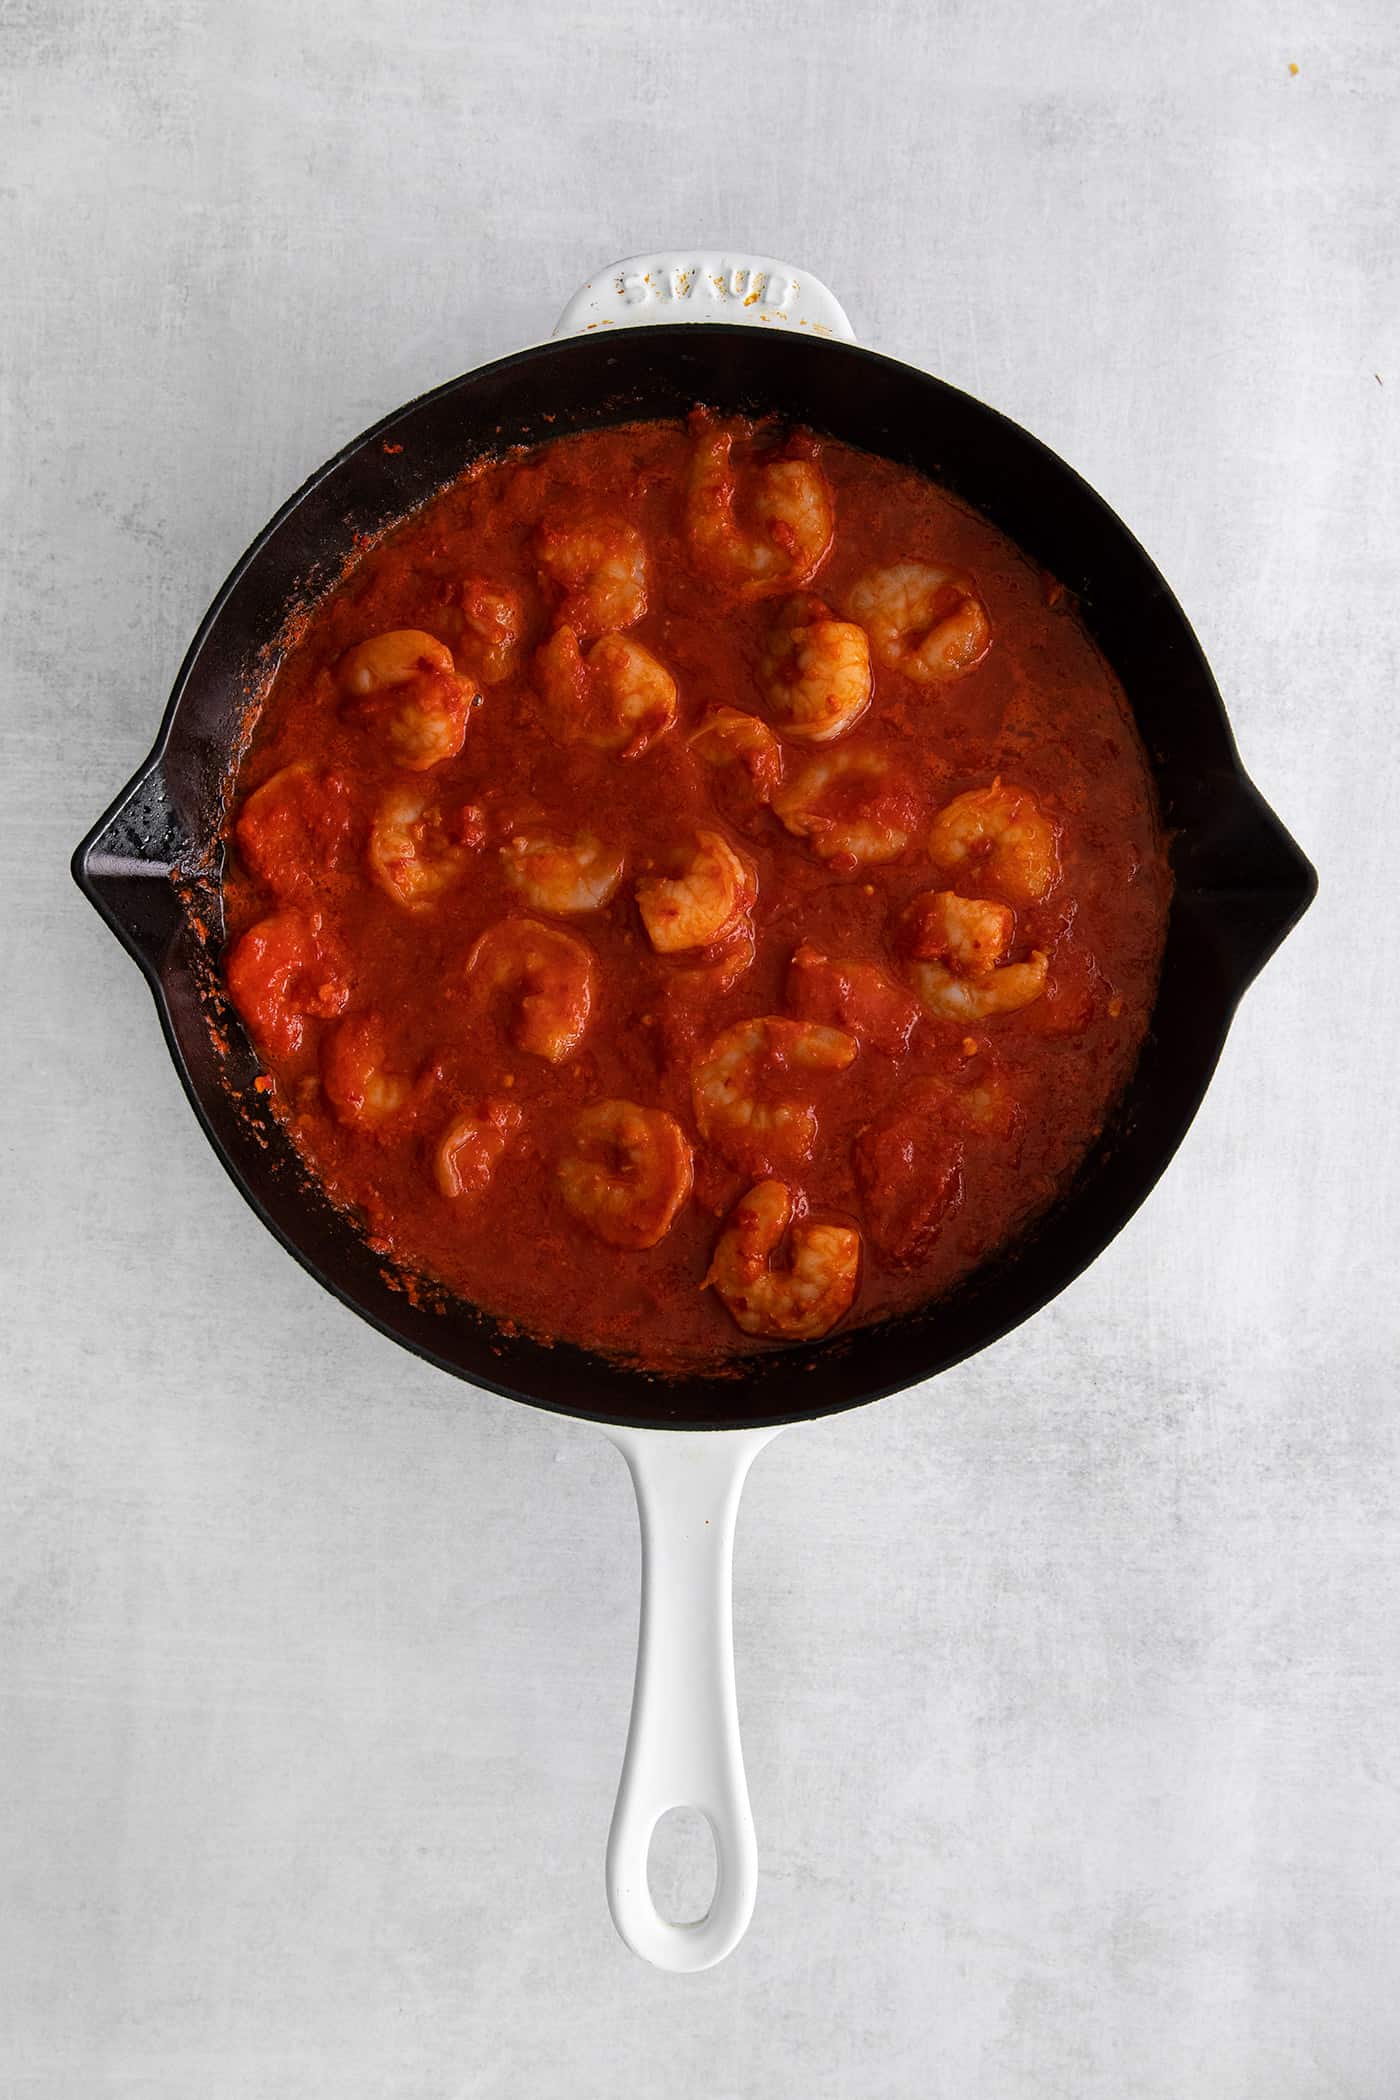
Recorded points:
(1250, 878)
(127, 865)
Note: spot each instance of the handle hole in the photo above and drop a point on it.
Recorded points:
(682, 1866)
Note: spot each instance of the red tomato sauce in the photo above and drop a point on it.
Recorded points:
(909, 1100)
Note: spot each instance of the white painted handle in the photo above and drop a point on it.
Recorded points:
(683, 1748)
(684, 285)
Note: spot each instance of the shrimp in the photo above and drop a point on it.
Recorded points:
(415, 851)
(815, 672)
(744, 752)
(980, 1098)
(617, 697)
(600, 565)
(802, 1298)
(924, 621)
(356, 1081)
(850, 808)
(739, 1090)
(697, 980)
(626, 1173)
(956, 947)
(908, 1166)
(971, 933)
(1006, 830)
(856, 996)
(405, 683)
(949, 997)
(491, 621)
(471, 1148)
(294, 828)
(281, 974)
(704, 902)
(549, 977)
(1077, 990)
(562, 875)
(909, 1161)
(787, 519)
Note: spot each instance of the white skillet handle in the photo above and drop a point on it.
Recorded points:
(683, 1748)
(683, 284)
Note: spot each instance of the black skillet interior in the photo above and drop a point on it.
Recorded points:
(1241, 882)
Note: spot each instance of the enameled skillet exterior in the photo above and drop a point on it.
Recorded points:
(1241, 882)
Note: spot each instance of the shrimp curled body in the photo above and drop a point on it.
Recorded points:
(742, 1089)
(599, 565)
(745, 754)
(798, 1300)
(849, 807)
(908, 1166)
(404, 684)
(487, 621)
(626, 1172)
(909, 1161)
(701, 905)
(471, 1148)
(294, 829)
(562, 875)
(815, 671)
(1004, 831)
(614, 697)
(280, 975)
(956, 947)
(851, 994)
(412, 854)
(760, 528)
(923, 621)
(358, 1083)
(546, 977)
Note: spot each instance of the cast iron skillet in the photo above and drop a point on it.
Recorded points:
(150, 865)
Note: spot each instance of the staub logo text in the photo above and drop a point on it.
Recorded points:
(707, 284)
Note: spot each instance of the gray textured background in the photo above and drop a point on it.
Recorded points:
(1070, 1685)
